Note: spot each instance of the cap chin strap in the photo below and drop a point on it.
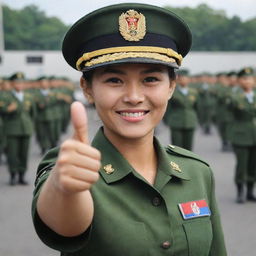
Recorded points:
(115, 53)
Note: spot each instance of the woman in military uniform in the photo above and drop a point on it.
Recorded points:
(125, 194)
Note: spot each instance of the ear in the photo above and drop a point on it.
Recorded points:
(87, 90)
(171, 88)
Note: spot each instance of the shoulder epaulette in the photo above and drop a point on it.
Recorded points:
(175, 150)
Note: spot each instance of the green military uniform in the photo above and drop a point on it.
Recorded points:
(45, 101)
(224, 116)
(181, 117)
(67, 96)
(243, 138)
(206, 106)
(2, 135)
(132, 217)
(18, 128)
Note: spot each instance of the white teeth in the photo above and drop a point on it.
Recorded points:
(137, 114)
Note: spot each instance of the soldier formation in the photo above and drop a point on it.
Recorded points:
(228, 102)
(40, 106)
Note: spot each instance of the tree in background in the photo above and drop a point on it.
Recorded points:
(30, 29)
(213, 31)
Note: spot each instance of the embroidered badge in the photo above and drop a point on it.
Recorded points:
(175, 166)
(194, 209)
(132, 25)
(108, 169)
(19, 75)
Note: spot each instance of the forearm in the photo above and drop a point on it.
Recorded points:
(67, 215)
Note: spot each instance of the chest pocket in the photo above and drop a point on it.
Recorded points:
(199, 236)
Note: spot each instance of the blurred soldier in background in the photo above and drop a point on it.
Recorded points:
(181, 114)
(4, 89)
(65, 91)
(223, 117)
(232, 82)
(243, 135)
(207, 101)
(45, 118)
(17, 109)
(2, 137)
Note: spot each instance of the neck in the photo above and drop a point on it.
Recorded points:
(140, 153)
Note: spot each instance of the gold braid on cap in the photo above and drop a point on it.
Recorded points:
(118, 53)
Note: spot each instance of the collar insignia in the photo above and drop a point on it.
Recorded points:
(108, 169)
(132, 25)
(175, 167)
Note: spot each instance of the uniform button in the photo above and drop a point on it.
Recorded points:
(166, 245)
(156, 201)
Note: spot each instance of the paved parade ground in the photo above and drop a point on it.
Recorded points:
(18, 238)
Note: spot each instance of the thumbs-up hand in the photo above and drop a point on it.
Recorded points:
(77, 166)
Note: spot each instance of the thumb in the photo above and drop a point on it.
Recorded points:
(79, 121)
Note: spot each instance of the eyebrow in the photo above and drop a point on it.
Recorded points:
(120, 72)
(153, 70)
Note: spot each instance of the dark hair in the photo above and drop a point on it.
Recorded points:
(172, 73)
(89, 75)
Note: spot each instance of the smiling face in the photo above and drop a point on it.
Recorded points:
(130, 99)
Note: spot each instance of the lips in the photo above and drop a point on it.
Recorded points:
(133, 115)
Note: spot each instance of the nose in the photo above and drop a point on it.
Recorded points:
(133, 94)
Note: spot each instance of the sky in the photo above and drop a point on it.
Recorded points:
(71, 10)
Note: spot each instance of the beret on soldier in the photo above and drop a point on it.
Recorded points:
(127, 33)
(248, 71)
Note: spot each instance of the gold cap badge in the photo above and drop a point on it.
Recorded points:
(132, 25)
(108, 169)
(175, 167)
(247, 70)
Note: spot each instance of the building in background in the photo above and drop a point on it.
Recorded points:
(37, 63)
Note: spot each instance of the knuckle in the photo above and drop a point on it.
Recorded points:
(98, 154)
(96, 176)
(67, 144)
(97, 165)
(64, 182)
(63, 159)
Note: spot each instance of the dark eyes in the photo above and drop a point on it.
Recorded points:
(115, 80)
(151, 79)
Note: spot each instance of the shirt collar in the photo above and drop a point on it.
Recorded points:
(183, 90)
(115, 167)
(168, 165)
